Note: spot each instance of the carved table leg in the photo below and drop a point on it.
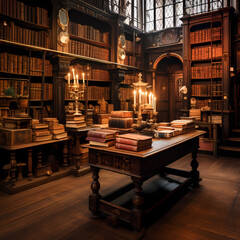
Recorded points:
(30, 174)
(195, 172)
(138, 201)
(13, 170)
(65, 154)
(95, 196)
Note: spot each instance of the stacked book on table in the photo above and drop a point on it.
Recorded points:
(121, 119)
(75, 121)
(133, 142)
(184, 125)
(57, 130)
(164, 130)
(102, 137)
(40, 132)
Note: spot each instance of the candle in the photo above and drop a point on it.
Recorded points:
(155, 104)
(77, 79)
(150, 98)
(134, 94)
(83, 79)
(152, 101)
(74, 80)
(140, 95)
(68, 78)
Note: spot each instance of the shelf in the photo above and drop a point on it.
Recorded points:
(90, 41)
(205, 96)
(39, 100)
(209, 79)
(25, 23)
(214, 60)
(85, 100)
(207, 42)
(26, 46)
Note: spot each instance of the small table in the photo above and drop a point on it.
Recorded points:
(29, 147)
(141, 166)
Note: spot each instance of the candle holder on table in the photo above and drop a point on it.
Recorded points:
(76, 89)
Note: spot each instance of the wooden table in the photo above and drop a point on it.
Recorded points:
(29, 147)
(141, 166)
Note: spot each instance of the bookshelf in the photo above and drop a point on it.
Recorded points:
(23, 26)
(206, 50)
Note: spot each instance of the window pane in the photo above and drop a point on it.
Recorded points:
(149, 16)
(169, 11)
(168, 2)
(159, 13)
(168, 22)
(179, 9)
(159, 24)
(159, 3)
(149, 26)
(149, 4)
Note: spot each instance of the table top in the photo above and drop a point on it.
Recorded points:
(158, 145)
(32, 144)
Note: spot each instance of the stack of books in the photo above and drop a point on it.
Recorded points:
(75, 121)
(57, 130)
(90, 117)
(133, 142)
(183, 125)
(195, 113)
(102, 137)
(41, 133)
(121, 119)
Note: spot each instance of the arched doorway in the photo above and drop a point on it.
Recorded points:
(168, 80)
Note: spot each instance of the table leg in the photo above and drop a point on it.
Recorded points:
(13, 170)
(195, 172)
(77, 154)
(65, 154)
(95, 196)
(138, 201)
(30, 174)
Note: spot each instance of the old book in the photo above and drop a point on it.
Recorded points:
(164, 134)
(41, 133)
(99, 139)
(78, 117)
(60, 136)
(76, 125)
(120, 122)
(135, 139)
(166, 124)
(122, 114)
(103, 144)
(40, 126)
(57, 131)
(42, 138)
(133, 148)
(133, 142)
(100, 134)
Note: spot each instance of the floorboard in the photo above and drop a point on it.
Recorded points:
(59, 209)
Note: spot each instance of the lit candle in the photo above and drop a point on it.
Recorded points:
(74, 80)
(134, 94)
(83, 79)
(140, 95)
(152, 101)
(77, 79)
(68, 78)
(155, 104)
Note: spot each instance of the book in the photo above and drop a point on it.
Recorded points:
(133, 148)
(103, 144)
(164, 134)
(57, 131)
(56, 127)
(166, 124)
(76, 125)
(78, 117)
(60, 136)
(41, 133)
(39, 126)
(42, 138)
(120, 122)
(133, 142)
(122, 114)
(135, 139)
(98, 139)
(182, 123)
(101, 134)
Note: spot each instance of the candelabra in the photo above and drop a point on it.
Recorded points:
(76, 89)
(143, 103)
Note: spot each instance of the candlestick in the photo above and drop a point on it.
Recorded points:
(140, 94)
(68, 78)
(83, 79)
(77, 79)
(145, 99)
(150, 98)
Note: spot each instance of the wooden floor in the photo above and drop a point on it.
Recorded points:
(59, 209)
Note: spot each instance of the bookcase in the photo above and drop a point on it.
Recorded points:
(207, 61)
(24, 34)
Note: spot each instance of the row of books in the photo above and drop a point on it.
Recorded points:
(36, 91)
(45, 112)
(125, 94)
(130, 47)
(205, 35)
(207, 90)
(129, 79)
(89, 32)
(92, 73)
(75, 121)
(207, 52)
(88, 50)
(132, 61)
(121, 119)
(202, 72)
(19, 64)
(214, 104)
(22, 11)
(11, 32)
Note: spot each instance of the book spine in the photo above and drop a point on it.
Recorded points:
(126, 147)
(127, 141)
(96, 134)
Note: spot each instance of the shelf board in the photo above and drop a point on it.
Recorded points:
(90, 41)
(76, 56)
(25, 23)
(207, 42)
